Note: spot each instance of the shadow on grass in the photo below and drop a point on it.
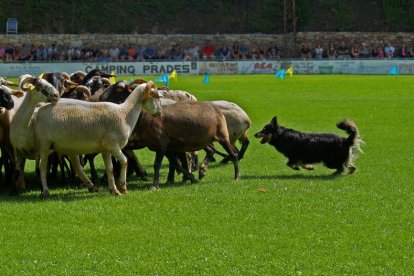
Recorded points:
(293, 177)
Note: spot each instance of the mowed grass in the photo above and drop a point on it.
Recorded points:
(275, 221)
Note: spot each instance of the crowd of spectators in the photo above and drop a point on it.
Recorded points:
(355, 50)
(208, 51)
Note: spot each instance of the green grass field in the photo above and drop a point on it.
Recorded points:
(304, 223)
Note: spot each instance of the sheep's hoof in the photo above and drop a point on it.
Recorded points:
(237, 178)
(93, 189)
(169, 183)
(123, 190)
(116, 193)
(154, 187)
(45, 194)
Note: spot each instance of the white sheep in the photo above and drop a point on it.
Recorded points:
(21, 127)
(74, 127)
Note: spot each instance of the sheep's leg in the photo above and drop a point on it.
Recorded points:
(171, 170)
(138, 168)
(110, 173)
(157, 165)
(233, 155)
(20, 162)
(74, 159)
(43, 165)
(123, 162)
(245, 143)
(89, 158)
(204, 166)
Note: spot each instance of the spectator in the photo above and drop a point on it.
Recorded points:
(179, 55)
(9, 53)
(140, 53)
(403, 51)
(175, 52)
(410, 51)
(208, 51)
(331, 52)
(389, 50)
(114, 53)
(262, 52)
(235, 54)
(161, 51)
(25, 52)
(52, 52)
(224, 52)
(244, 51)
(187, 53)
(123, 53)
(364, 51)
(195, 51)
(355, 50)
(16, 53)
(254, 52)
(41, 53)
(305, 51)
(149, 52)
(273, 52)
(61, 53)
(132, 52)
(378, 52)
(318, 51)
(343, 51)
(2, 54)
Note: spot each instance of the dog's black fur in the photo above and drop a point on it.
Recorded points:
(306, 149)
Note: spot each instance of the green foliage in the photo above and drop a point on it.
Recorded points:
(398, 12)
(275, 221)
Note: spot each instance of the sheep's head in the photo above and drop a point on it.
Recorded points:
(6, 100)
(40, 89)
(152, 99)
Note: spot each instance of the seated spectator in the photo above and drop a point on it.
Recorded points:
(61, 52)
(208, 51)
(224, 52)
(273, 52)
(52, 52)
(254, 52)
(149, 52)
(343, 51)
(389, 50)
(161, 51)
(16, 53)
(378, 52)
(262, 52)
(410, 51)
(25, 52)
(235, 54)
(179, 55)
(140, 53)
(2, 54)
(187, 53)
(305, 51)
(364, 51)
(9, 53)
(403, 51)
(114, 53)
(195, 52)
(123, 53)
(41, 53)
(318, 51)
(73, 53)
(132, 52)
(355, 50)
(331, 52)
(244, 51)
(175, 52)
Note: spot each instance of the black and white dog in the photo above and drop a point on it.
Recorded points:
(306, 149)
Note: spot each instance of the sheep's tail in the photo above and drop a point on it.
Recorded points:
(354, 139)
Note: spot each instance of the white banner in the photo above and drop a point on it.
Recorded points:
(350, 66)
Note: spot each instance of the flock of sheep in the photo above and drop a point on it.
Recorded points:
(57, 116)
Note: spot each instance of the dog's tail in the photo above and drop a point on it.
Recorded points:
(354, 139)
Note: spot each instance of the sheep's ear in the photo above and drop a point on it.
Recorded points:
(274, 121)
(17, 93)
(139, 81)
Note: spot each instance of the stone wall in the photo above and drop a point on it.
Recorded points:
(289, 43)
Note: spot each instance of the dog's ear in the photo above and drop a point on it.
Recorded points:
(274, 121)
